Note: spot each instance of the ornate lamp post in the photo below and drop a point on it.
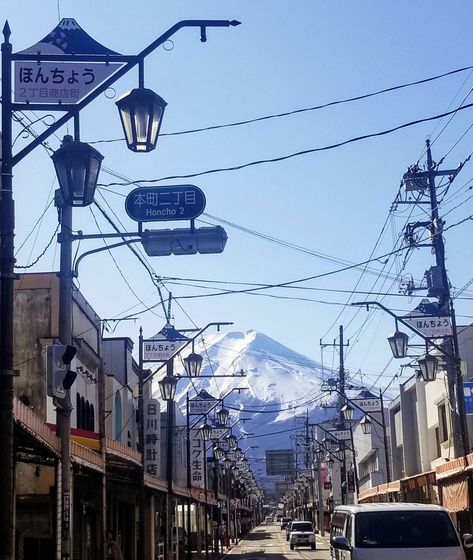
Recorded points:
(428, 365)
(141, 112)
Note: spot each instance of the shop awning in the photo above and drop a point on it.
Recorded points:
(451, 468)
(454, 493)
(416, 481)
(380, 490)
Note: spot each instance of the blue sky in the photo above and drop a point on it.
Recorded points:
(285, 56)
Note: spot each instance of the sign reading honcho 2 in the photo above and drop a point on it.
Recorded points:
(160, 204)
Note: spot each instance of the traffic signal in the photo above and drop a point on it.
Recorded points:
(184, 241)
(60, 378)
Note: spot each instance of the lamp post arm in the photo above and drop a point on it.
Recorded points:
(75, 272)
(405, 323)
(132, 62)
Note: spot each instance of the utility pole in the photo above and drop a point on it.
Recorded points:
(341, 398)
(454, 377)
(439, 287)
(64, 406)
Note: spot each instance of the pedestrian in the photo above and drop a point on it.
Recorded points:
(113, 548)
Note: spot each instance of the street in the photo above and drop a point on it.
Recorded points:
(269, 541)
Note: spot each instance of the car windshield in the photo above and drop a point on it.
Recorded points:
(405, 529)
(301, 527)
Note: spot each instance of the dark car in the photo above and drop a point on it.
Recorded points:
(285, 521)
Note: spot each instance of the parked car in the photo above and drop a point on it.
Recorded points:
(285, 521)
(288, 529)
(302, 534)
(395, 530)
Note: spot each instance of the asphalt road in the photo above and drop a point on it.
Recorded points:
(268, 542)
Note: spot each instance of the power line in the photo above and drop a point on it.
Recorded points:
(305, 109)
(288, 156)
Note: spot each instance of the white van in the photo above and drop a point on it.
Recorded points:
(395, 531)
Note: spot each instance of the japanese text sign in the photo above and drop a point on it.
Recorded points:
(158, 204)
(200, 406)
(197, 458)
(340, 434)
(431, 327)
(163, 345)
(152, 428)
(368, 404)
(58, 82)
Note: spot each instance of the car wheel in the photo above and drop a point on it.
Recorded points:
(292, 546)
(287, 538)
(312, 546)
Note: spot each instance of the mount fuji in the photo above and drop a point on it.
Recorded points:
(271, 390)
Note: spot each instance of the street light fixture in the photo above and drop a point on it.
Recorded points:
(428, 367)
(339, 453)
(167, 387)
(77, 167)
(399, 343)
(222, 416)
(193, 364)
(238, 453)
(218, 452)
(347, 412)
(366, 425)
(141, 112)
(206, 431)
(320, 454)
(231, 440)
(227, 463)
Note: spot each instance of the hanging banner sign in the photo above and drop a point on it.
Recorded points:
(66, 83)
(218, 433)
(197, 458)
(368, 404)
(200, 406)
(163, 345)
(340, 434)
(152, 429)
(427, 318)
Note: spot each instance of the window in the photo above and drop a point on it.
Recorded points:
(443, 424)
(405, 529)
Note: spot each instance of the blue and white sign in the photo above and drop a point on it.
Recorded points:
(162, 204)
(468, 392)
(163, 345)
(65, 81)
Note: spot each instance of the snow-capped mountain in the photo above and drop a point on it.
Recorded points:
(279, 387)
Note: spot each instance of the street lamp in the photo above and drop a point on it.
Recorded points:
(77, 167)
(339, 453)
(222, 416)
(167, 387)
(193, 364)
(141, 112)
(399, 343)
(218, 452)
(231, 440)
(428, 367)
(206, 431)
(320, 454)
(227, 463)
(238, 453)
(347, 412)
(366, 425)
